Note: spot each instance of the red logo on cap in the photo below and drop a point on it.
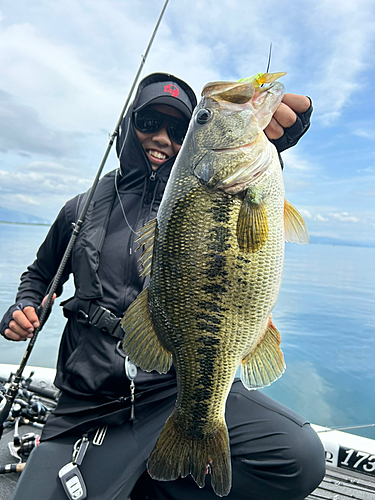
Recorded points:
(172, 89)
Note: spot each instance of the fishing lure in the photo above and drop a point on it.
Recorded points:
(260, 79)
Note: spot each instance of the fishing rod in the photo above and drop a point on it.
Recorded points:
(8, 399)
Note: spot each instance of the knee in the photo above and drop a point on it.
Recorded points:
(309, 458)
(288, 467)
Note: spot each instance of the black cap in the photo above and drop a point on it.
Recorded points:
(165, 92)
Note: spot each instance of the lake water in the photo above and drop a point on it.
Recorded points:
(325, 314)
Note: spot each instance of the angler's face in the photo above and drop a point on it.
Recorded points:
(158, 145)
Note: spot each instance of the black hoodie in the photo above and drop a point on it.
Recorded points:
(89, 365)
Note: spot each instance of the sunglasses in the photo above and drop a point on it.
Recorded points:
(150, 121)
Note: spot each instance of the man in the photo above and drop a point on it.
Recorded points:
(275, 454)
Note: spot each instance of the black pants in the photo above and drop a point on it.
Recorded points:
(275, 456)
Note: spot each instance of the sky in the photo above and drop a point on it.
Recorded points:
(66, 69)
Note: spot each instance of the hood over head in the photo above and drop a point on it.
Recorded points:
(156, 88)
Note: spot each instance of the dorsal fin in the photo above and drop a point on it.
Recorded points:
(146, 238)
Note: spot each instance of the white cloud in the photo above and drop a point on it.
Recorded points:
(331, 233)
(28, 200)
(54, 78)
(39, 192)
(24, 131)
(38, 182)
(326, 216)
(305, 213)
(344, 217)
(367, 134)
(348, 40)
(43, 167)
(367, 170)
(294, 161)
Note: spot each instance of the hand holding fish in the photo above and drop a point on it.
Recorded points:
(290, 121)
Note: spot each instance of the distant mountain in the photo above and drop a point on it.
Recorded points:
(326, 240)
(15, 216)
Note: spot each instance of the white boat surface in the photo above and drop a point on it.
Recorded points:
(42, 378)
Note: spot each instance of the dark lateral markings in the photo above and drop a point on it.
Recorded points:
(211, 307)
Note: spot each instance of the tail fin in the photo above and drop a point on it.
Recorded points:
(177, 454)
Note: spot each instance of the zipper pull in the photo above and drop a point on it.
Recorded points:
(80, 449)
(132, 401)
(153, 175)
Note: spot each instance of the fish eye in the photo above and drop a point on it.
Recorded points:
(203, 116)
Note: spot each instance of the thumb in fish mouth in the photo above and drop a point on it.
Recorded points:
(235, 92)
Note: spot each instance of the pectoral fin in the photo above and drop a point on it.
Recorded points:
(252, 225)
(295, 227)
(265, 363)
(141, 343)
(146, 238)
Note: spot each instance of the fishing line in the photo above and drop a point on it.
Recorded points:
(269, 58)
(269, 61)
(331, 429)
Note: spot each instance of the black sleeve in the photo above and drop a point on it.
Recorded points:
(39, 275)
(294, 133)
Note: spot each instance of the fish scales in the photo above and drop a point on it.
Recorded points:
(217, 261)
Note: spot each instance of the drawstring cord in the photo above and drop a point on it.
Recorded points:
(157, 181)
(121, 205)
(131, 239)
(154, 178)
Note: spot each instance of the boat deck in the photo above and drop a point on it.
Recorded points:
(337, 485)
(344, 485)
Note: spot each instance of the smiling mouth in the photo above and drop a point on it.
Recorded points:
(158, 155)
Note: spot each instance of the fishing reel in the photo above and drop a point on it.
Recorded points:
(33, 412)
(20, 448)
(28, 442)
(27, 407)
(3, 392)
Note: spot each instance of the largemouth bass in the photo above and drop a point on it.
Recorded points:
(215, 257)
